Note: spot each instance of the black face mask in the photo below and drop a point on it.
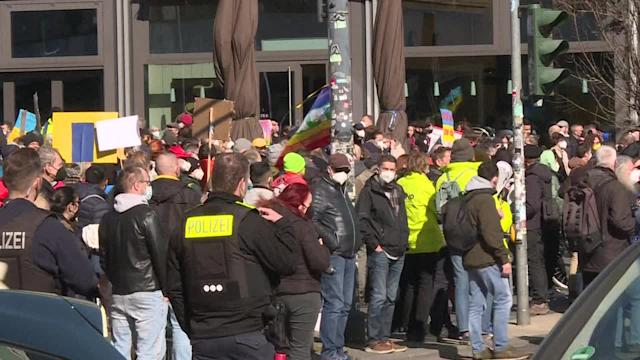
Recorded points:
(61, 174)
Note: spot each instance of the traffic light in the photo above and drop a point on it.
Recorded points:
(543, 50)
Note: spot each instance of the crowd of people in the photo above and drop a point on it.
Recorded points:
(236, 248)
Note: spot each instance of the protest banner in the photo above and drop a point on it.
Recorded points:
(118, 133)
(222, 117)
(30, 124)
(75, 137)
(435, 137)
(447, 127)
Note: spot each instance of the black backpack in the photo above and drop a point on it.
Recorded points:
(460, 233)
(581, 218)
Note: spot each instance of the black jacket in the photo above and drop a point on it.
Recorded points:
(537, 183)
(380, 222)
(262, 243)
(93, 204)
(171, 199)
(616, 218)
(313, 257)
(133, 250)
(335, 217)
(572, 146)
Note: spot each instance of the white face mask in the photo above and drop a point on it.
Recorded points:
(635, 176)
(148, 193)
(184, 165)
(387, 176)
(360, 133)
(340, 177)
(156, 134)
(380, 144)
(562, 144)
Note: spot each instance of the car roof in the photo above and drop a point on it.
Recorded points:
(574, 319)
(53, 324)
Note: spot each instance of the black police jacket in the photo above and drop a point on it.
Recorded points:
(221, 274)
(335, 218)
(134, 250)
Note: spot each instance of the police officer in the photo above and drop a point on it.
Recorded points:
(219, 276)
(40, 253)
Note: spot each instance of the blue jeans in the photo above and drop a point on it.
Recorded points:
(181, 345)
(461, 279)
(142, 313)
(337, 295)
(483, 283)
(384, 277)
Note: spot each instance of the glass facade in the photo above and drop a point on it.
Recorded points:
(182, 28)
(476, 86)
(82, 90)
(437, 23)
(26, 84)
(170, 89)
(54, 33)
(291, 25)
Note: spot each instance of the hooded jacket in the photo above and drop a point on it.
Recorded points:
(93, 204)
(615, 204)
(537, 183)
(335, 217)
(133, 246)
(425, 235)
(460, 172)
(381, 222)
(490, 248)
(171, 199)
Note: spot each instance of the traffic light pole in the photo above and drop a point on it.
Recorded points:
(520, 215)
(340, 68)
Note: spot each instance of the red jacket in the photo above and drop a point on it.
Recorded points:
(285, 180)
(4, 193)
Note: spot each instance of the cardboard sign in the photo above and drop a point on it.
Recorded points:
(74, 136)
(118, 133)
(436, 136)
(222, 116)
(447, 127)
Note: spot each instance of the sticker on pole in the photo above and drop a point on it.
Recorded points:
(447, 127)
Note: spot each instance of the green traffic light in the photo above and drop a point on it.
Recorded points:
(543, 50)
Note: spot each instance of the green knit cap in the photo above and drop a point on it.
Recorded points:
(294, 163)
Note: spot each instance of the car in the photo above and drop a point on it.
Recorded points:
(604, 321)
(47, 326)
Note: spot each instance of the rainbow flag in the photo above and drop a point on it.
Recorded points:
(315, 130)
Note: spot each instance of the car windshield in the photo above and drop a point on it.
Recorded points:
(613, 330)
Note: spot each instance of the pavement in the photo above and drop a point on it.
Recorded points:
(524, 338)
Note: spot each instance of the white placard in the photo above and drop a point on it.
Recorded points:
(118, 133)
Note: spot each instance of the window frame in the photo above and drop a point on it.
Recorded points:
(6, 59)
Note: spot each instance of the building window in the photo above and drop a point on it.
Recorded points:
(82, 90)
(291, 25)
(171, 89)
(474, 88)
(438, 23)
(184, 28)
(54, 33)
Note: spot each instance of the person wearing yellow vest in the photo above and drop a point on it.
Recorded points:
(461, 169)
(423, 273)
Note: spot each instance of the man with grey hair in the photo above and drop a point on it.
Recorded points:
(53, 169)
(624, 167)
(615, 204)
(134, 256)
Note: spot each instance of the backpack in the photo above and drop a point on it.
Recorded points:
(460, 233)
(581, 218)
(448, 191)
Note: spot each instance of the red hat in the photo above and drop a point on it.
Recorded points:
(179, 152)
(186, 119)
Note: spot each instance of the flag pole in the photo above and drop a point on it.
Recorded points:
(210, 146)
